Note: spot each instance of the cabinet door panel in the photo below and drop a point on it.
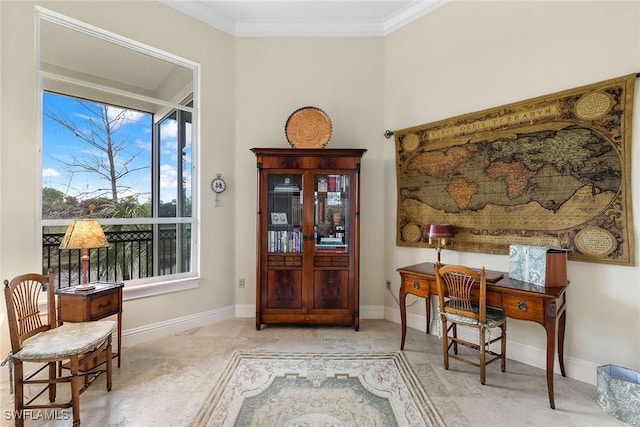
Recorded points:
(331, 289)
(332, 216)
(284, 213)
(284, 289)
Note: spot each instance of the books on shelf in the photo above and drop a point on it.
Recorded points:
(331, 241)
(336, 183)
(286, 188)
(296, 210)
(331, 244)
(284, 241)
(335, 249)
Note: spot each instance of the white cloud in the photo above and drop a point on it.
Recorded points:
(130, 115)
(169, 129)
(50, 172)
(143, 144)
(168, 177)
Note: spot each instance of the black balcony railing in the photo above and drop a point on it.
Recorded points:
(128, 256)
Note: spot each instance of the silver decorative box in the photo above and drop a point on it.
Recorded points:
(540, 265)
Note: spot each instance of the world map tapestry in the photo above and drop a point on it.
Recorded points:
(550, 171)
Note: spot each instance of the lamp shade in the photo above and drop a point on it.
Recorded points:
(440, 230)
(84, 234)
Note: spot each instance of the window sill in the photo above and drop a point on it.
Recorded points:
(142, 289)
(137, 289)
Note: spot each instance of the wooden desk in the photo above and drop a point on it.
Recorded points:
(519, 300)
(83, 306)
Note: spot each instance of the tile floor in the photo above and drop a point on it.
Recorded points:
(163, 382)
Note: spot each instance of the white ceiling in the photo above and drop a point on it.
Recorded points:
(305, 17)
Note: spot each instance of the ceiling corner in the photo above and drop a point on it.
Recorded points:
(203, 13)
(410, 13)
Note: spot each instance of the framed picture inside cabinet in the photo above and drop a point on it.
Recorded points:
(279, 218)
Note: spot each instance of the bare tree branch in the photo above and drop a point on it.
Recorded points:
(97, 126)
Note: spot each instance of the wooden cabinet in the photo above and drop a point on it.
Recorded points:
(308, 236)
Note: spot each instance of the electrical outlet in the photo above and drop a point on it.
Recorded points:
(241, 283)
(389, 284)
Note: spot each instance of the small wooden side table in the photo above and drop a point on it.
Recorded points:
(83, 306)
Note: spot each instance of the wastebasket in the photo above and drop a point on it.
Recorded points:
(618, 392)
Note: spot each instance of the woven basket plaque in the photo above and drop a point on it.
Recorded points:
(308, 127)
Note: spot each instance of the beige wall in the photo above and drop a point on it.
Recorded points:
(467, 56)
(343, 77)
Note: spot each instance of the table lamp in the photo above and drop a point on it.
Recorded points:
(84, 234)
(440, 232)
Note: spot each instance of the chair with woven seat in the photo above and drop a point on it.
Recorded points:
(42, 341)
(462, 299)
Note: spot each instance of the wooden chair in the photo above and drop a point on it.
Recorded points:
(462, 301)
(35, 340)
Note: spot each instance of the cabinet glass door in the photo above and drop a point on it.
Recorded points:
(284, 215)
(331, 219)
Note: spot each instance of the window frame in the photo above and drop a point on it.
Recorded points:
(156, 285)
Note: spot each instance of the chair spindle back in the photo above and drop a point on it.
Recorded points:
(456, 283)
(23, 312)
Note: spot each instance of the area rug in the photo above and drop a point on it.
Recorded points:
(314, 389)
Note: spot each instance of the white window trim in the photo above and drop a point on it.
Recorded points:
(152, 286)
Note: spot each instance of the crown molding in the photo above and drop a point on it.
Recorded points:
(203, 13)
(308, 29)
(409, 14)
(200, 11)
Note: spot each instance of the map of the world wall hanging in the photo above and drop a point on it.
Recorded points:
(550, 171)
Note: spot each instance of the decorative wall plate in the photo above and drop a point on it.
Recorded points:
(308, 127)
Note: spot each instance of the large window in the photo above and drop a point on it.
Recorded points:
(117, 145)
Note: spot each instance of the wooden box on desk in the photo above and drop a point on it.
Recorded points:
(540, 265)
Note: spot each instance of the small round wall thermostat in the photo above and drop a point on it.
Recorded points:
(218, 185)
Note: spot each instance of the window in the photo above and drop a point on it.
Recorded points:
(117, 145)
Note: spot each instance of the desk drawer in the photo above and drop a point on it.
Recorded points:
(104, 305)
(416, 286)
(524, 308)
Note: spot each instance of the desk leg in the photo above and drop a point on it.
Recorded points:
(551, 349)
(555, 322)
(561, 325)
(403, 315)
(427, 309)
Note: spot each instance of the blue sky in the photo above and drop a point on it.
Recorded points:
(61, 146)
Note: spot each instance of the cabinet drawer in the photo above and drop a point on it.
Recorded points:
(104, 305)
(416, 286)
(331, 261)
(284, 260)
(519, 307)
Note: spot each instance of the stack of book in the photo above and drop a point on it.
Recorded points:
(331, 244)
(286, 188)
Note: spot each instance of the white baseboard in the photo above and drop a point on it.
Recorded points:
(372, 311)
(245, 310)
(157, 330)
(577, 369)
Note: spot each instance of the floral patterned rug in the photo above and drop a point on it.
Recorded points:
(296, 389)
